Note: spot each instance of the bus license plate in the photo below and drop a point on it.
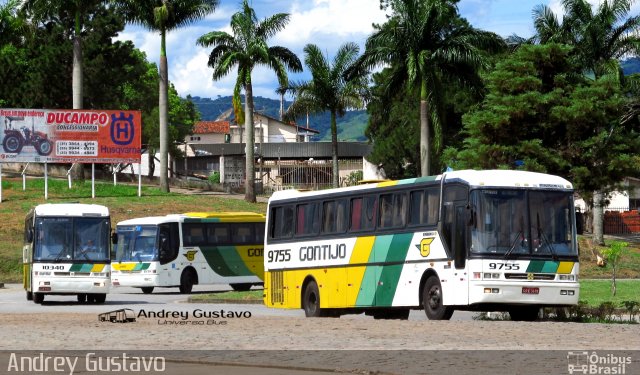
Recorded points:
(530, 290)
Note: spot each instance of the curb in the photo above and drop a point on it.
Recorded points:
(227, 301)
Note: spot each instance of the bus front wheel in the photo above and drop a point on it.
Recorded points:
(99, 298)
(38, 297)
(311, 301)
(29, 296)
(82, 298)
(186, 282)
(147, 289)
(432, 300)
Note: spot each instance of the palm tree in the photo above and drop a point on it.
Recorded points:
(422, 42)
(246, 49)
(328, 90)
(12, 25)
(599, 38)
(163, 16)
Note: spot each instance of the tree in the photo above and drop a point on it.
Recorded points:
(541, 114)
(163, 16)
(613, 254)
(599, 38)
(246, 49)
(328, 90)
(424, 41)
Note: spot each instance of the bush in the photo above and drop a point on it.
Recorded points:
(214, 177)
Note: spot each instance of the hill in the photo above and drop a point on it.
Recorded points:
(350, 127)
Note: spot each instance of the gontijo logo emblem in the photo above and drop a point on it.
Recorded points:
(190, 255)
(122, 129)
(425, 246)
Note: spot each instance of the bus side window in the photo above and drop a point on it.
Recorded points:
(259, 231)
(218, 234)
(342, 215)
(282, 223)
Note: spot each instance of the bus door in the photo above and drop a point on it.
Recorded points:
(456, 236)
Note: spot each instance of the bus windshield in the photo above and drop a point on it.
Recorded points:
(522, 222)
(137, 243)
(71, 239)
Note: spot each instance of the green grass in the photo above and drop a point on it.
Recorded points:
(252, 295)
(595, 292)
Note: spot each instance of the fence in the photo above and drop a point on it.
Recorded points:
(621, 221)
(309, 174)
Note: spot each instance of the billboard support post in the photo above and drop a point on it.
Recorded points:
(69, 174)
(0, 182)
(93, 180)
(46, 182)
(24, 177)
(115, 172)
(140, 179)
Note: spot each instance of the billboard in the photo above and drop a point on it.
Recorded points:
(70, 136)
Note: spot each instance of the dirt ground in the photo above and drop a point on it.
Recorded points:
(343, 345)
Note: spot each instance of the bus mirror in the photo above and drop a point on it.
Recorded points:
(471, 216)
(114, 238)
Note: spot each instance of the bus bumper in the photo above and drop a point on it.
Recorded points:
(68, 285)
(531, 293)
(134, 280)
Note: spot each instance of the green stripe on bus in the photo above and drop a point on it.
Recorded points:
(81, 267)
(225, 261)
(201, 220)
(390, 275)
(141, 266)
(543, 266)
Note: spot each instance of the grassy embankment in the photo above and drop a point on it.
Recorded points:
(122, 201)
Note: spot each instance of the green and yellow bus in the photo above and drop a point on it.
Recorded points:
(66, 251)
(493, 240)
(181, 250)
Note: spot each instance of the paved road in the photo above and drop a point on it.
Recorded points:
(13, 300)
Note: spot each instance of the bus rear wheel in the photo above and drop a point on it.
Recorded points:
(29, 296)
(82, 298)
(432, 300)
(311, 301)
(99, 298)
(147, 289)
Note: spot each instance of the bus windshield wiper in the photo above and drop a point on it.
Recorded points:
(513, 245)
(544, 238)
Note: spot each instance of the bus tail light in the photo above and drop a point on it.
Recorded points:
(492, 290)
(564, 292)
(567, 277)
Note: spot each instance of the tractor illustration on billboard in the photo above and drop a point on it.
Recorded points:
(15, 140)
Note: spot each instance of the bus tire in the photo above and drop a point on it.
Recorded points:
(524, 314)
(432, 300)
(99, 298)
(29, 296)
(82, 298)
(186, 281)
(38, 298)
(147, 289)
(241, 287)
(311, 301)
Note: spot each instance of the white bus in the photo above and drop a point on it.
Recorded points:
(66, 251)
(186, 249)
(493, 240)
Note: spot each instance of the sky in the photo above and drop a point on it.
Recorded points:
(326, 23)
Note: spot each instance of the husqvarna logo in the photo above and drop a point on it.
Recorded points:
(122, 129)
(425, 246)
(190, 255)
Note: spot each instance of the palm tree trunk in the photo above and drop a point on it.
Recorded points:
(250, 193)
(77, 170)
(425, 139)
(334, 150)
(164, 121)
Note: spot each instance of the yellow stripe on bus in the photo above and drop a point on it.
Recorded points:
(97, 268)
(123, 266)
(565, 267)
(360, 255)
